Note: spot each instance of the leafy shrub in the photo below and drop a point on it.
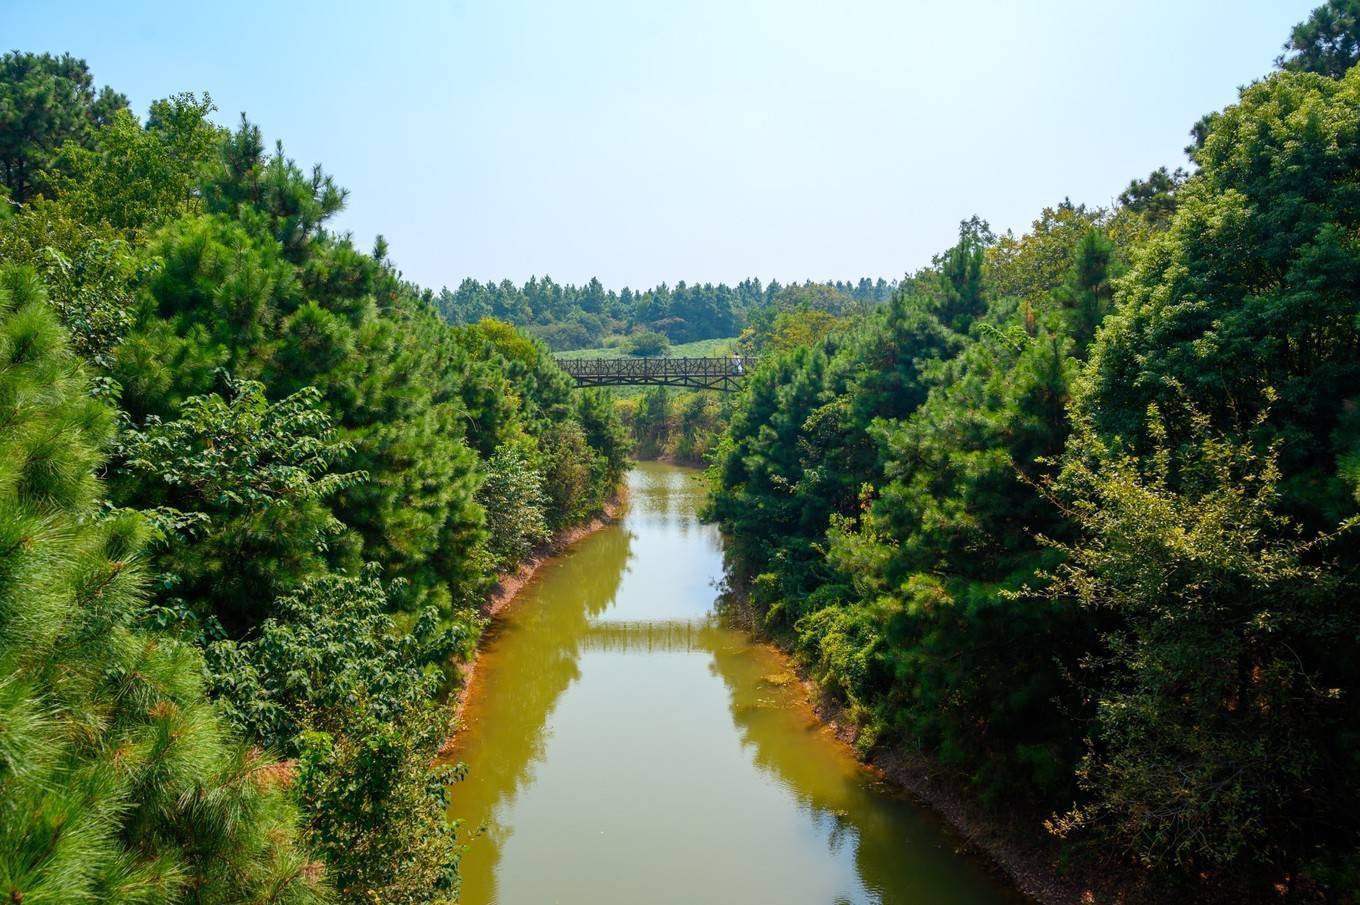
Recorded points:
(332, 682)
(238, 486)
(1212, 739)
(647, 344)
(515, 503)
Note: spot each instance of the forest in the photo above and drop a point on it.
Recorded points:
(1070, 516)
(580, 317)
(253, 489)
(1073, 515)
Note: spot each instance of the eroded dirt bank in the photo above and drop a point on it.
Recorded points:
(1014, 845)
(508, 587)
(1029, 865)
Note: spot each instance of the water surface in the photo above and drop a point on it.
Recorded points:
(624, 747)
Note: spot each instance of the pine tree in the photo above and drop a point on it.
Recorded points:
(118, 780)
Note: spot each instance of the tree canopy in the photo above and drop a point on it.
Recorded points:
(278, 419)
(1074, 512)
(1071, 515)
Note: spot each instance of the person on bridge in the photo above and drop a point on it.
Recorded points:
(736, 364)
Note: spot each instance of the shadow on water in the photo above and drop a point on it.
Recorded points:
(624, 746)
(506, 719)
(901, 853)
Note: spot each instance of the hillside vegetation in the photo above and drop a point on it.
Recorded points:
(721, 346)
(253, 490)
(1073, 515)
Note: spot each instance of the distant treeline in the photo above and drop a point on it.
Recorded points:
(581, 317)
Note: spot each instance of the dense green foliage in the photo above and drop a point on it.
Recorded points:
(239, 481)
(515, 502)
(1327, 42)
(1220, 738)
(118, 779)
(329, 681)
(646, 344)
(682, 427)
(579, 317)
(282, 418)
(46, 102)
(1072, 514)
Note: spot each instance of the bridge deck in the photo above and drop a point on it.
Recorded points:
(695, 373)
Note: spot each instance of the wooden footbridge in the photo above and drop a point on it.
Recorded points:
(695, 373)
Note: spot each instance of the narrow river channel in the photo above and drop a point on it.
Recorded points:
(623, 746)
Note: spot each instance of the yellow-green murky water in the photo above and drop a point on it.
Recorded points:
(624, 748)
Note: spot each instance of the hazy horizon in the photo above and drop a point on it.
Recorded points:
(704, 142)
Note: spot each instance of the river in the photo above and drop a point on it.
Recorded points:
(624, 746)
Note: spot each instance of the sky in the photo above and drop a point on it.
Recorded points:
(697, 140)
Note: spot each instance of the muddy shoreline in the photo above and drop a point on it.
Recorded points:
(1029, 866)
(1010, 844)
(508, 587)
(1005, 846)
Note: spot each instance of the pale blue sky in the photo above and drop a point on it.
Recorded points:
(702, 140)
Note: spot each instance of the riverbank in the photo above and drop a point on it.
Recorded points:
(616, 734)
(1030, 865)
(508, 587)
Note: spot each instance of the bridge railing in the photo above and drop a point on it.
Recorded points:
(713, 372)
(658, 367)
